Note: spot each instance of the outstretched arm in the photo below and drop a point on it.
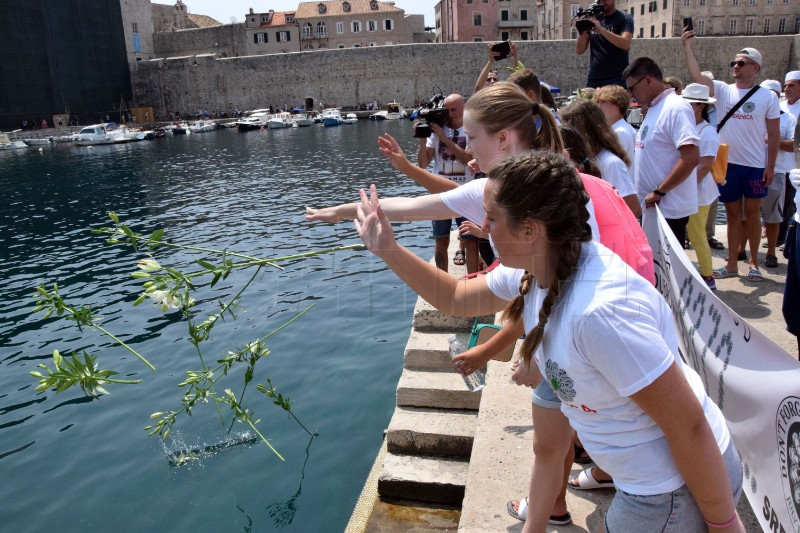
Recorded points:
(687, 38)
(428, 207)
(433, 182)
(486, 70)
(470, 297)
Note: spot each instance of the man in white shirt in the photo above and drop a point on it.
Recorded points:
(667, 146)
(791, 89)
(751, 161)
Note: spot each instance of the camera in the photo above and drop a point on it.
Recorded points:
(594, 10)
(432, 112)
(503, 48)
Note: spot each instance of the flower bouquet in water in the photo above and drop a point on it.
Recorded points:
(171, 290)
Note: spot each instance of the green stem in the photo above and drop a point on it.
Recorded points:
(124, 345)
(302, 425)
(123, 381)
(265, 441)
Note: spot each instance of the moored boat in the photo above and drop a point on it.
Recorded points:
(8, 144)
(280, 120)
(395, 111)
(350, 118)
(38, 141)
(301, 120)
(256, 121)
(99, 134)
(332, 117)
(202, 126)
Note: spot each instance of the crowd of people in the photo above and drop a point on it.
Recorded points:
(550, 201)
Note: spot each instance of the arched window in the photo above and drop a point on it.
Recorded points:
(307, 30)
(322, 29)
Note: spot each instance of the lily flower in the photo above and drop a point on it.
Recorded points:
(148, 265)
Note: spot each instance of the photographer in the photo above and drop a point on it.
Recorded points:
(488, 75)
(446, 147)
(608, 41)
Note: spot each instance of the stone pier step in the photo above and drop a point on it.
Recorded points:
(432, 432)
(423, 479)
(435, 389)
(430, 351)
(428, 318)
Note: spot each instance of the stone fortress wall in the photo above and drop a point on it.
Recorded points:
(407, 73)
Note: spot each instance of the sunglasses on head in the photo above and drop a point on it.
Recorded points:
(740, 63)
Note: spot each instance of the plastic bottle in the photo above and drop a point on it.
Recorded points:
(474, 381)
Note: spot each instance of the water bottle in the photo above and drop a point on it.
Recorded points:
(474, 381)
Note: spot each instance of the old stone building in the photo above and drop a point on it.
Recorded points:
(177, 17)
(356, 23)
(271, 33)
(137, 26)
(471, 20)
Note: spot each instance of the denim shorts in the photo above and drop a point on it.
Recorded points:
(544, 396)
(742, 181)
(442, 228)
(670, 512)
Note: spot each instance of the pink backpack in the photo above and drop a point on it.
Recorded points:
(620, 232)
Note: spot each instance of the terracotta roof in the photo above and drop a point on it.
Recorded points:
(334, 8)
(278, 19)
(203, 21)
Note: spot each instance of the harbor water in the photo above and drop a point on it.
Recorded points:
(73, 464)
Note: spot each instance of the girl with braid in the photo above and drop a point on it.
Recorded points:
(602, 336)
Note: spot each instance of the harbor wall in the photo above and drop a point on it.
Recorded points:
(407, 73)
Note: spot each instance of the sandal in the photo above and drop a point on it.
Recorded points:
(521, 513)
(585, 481)
(754, 274)
(581, 456)
(715, 244)
(458, 258)
(722, 273)
(771, 261)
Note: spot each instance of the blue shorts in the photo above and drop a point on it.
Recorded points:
(674, 511)
(544, 396)
(442, 228)
(742, 181)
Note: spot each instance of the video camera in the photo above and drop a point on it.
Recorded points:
(432, 112)
(594, 10)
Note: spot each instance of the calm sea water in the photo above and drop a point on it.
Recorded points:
(72, 464)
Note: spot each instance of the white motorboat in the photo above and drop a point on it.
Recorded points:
(350, 118)
(8, 144)
(300, 120)
(395, 111)
(280, 120)
(202, 126)
(332, 117)
(380, 115)
(256, 121)
(99, 134)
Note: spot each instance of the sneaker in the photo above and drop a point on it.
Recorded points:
(711, 283)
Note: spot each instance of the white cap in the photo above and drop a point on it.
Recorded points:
(772, 85)
(708, 74)
(751, 53)
(793, 75)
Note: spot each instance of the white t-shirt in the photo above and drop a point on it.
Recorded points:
(615, 171)
(611, 335)
(794, 108)
(707, 190)
(445, 163)
(745, 130)
(467, 201)
(668, 125)
(627, 138)
(785, 160)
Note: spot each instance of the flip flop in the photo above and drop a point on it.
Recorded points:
(521, 513)
(581, 457)
(458, 258)
(722, 273)
(585, 481)
(754, 274)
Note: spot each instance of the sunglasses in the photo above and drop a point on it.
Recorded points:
(741, 63)
(491, 79)
(630, 89)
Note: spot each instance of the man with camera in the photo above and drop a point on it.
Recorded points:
(608, 34)
(446, 147)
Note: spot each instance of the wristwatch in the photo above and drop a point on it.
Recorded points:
(659, 193)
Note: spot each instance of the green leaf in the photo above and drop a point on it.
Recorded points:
(113, 216)
(57, 359)
(157, 235)
(206, 264)
(140, 275)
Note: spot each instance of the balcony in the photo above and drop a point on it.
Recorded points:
(308, 36)
(515, 23)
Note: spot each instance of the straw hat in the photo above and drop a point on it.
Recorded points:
(697, 92)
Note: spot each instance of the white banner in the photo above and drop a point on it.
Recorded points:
(754, 382)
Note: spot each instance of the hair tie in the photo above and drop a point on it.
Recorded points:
(535, 108)
(585, 160)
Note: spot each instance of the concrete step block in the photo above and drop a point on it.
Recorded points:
(430, 350)
(428, 318)
(432, 432)
(435, 389)
(423, 479)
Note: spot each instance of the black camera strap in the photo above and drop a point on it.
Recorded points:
(733, 110)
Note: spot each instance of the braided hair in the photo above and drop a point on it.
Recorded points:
(505, 106)
(545, 187)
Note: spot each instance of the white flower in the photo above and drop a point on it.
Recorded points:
(165, 299)
(148, 265)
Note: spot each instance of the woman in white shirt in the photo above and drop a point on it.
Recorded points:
(707, 191)
(602, 336)
(606, 150)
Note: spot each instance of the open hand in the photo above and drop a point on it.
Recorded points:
(389, 147)
(470, 228)
(372, 225)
